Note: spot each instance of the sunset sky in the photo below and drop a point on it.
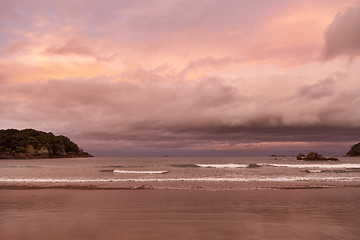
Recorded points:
(184, 77)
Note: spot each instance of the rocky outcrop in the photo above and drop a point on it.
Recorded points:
(30, 143)
(14, 155)
(314, 156)
(354, 151)
(300, 156)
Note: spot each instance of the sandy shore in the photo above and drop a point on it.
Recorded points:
(180, 185)
(164, 214)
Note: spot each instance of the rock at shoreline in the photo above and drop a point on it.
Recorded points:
(314, 156)
(30, 143)
(300, 156)
(354, 151)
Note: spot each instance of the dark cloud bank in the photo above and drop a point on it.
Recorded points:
(151, 114)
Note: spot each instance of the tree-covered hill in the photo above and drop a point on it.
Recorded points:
(354, 151)
(30, 143)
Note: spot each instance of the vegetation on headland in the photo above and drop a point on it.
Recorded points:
(30, 143)
(354, 151)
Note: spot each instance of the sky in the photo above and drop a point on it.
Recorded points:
(184, 77)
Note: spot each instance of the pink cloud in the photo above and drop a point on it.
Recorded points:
(153, 112)
(342, 37)
(180, 74)
(70, 47)
(75, 47)
(17, 47)
(154, 32)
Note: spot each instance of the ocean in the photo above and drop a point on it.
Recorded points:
(179, 198)
(186, 173)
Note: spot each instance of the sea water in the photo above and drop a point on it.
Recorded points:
(207, 173)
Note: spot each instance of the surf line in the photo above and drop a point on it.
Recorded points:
(203, 179)
(327, 166)
(140, 172)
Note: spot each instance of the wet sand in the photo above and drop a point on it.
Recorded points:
(330, 213)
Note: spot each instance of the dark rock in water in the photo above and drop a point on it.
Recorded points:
(107, 170)
(253, 165)
(354, 151)
(314, 156)
(185, 165)
(30, 143)
(300, 156)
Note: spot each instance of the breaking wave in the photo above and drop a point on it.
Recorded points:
(321, 166)
(139, 172)
(313, 171)
(230, 165)
(227, 165)
(256, 165)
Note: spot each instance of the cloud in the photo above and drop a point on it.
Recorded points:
(342, 37)
(75, 47)
(178, 74)
(17, 47)
(156, 112)
(324, 88)
(176, 31)
(209, 62)
(70, 47)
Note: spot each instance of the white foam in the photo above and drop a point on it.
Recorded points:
(139, 172)
(321, 166)
(227, 165)
(201, 179)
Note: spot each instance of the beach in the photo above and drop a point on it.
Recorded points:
(179, 198)
(180, 214)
